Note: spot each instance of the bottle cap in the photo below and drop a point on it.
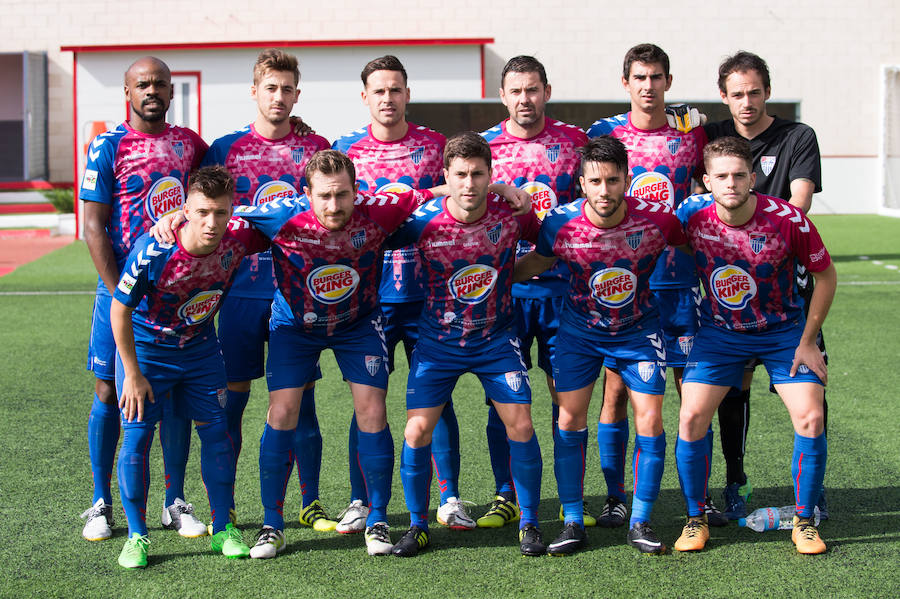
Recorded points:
(742, 522)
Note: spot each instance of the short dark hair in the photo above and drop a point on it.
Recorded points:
(605, 148)
(742, 62)
(211, 181)
(647, 54)
(524, 64)
(273, 59)
(467, 144)
(329, 162)
(728, 146)
(388, 62)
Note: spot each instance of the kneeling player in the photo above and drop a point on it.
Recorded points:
(162, 320)
(746, 248)
(611, 244)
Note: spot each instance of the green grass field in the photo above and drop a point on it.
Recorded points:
(45, 474)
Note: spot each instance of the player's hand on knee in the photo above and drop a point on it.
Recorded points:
(164, 229)
(809, 355)
(134, 390)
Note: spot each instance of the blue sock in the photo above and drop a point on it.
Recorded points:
(376, 458)
(612, 443)
(415, 472)
(709, 449)
(554, 409)
(175, 440)
(692, 462)
(134, 474)
(568, 464)
(526, 465)
(234, 413)
(498, 448)
(357, 483)
(649, 461)
(808, 471)
(445, 453)
(103, 436)
(275, 461)
(308, 448)
(217, 470)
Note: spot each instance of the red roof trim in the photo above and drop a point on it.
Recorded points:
(281, 43)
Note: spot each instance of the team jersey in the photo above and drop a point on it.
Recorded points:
(141, 176)
(327, 280)
(546, 166)
(174, 293)
(263, 170)
(661, 162)
(609, 292)
(748, 271)
(413, 162)
(468, 271)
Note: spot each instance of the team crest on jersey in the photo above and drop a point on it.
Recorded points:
(178, 146)
(685, 343)
(165, 197)
(493, 233)
(297, 154)
(200, 307)
(472, 284)
(373, 363)
(358, 238)
(767, 163)
(332, 283)
(613, 287)
(226, 260)
(652, 186)
(757, 242)
(552, 152)
(634, 238)
(416, 153)
(543, 198)
(673, 143)
(646, 370)
(732, 286)
(273, 190)
(514, 381)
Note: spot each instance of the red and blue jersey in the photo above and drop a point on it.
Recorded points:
(263, 170)
(748, 271)
(174, 293)
(141, 176)
(661, 162)
(609, 291)
(468, 272)
(328, 280)
(546, 166)
(413, 162)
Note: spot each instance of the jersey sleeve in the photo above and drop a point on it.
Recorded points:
(320, 142)
(200, 148)
(547, 236)
(806, 162)
(142, 267)
(268, 218)
(99, 179)
(249, 235)
(530, 226)
(672, 229)
(216, 154)
(390, 210)
(806, 243)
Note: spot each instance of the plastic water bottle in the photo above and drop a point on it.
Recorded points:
(770, 518)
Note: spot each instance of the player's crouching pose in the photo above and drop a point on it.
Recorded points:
(467, 242)
(162, 319)
(611, 244)
(746, 248)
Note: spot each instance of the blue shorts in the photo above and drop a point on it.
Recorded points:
(719, 356)
(243, 332)
(499, 367)
(679, 320)
(401, 323)
(538, 318)
(102, 348)
(195, 379)
(640, 359)
(361, 354)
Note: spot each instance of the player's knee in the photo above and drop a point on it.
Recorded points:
(417, 433)
(520, 430)
(370, 415)
(283, 416)
(648, 422)
(239, 386)
(692, 424)
(572, 421)
(811, 424)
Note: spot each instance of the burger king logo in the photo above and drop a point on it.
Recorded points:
(332, 283)
(732, 286)
(613, 287)
(200, 307)
(543, 198)
(471, 284)
(394, 188)
(165, 197)
(652, 186)
(273, 190)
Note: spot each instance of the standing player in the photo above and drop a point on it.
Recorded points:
(538, 155)
(267, 160)
(162, 319)
(662, 160)
(611, 244)
(467, 242)
(746, 247)
(787, 166)
(393, 155)
(134, 174)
